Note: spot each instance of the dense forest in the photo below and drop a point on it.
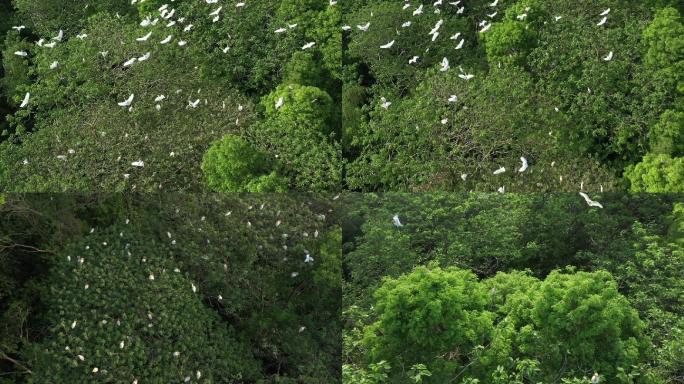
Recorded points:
(513, 288)
(169, 289)
(439, 95)
(152, 95)
(342, 191)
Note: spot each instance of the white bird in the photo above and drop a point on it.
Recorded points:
(444, 65)
(25, 102)
(194, 289)
(159, 98)
(501, 189)
(452, 99)
(308, 259)
(144, 57)
(406, 24)
(73, 325)
(385, 104)
(19, 28)
(80, 357)
(414, 59)
(418, 10)
(130, 62)
(279, 103)
(138, 163)
(302, 329)
(127, 102)
(524, 166)
(193, 104)
(308, 45)
(466, 77)
(455, 36)
(460, 45)
(144, 38)
(595, 379)
(388, 45)
(494, 3)
(82, 36)
(589, 201)
(486, 28)
(280, 30)
(166, 40)
(21, 53)
(500, 171)
(464, 176)
(59, 36)
(121, 344)
(294, 274)
(216, 11)
(603, 21)
(604, 13)
(363, 27)
(396, 222)
(608, 57)
(54, 65)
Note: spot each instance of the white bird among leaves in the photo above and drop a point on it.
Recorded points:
(388, 45)
(608, 57)
(396, 221)
(590, 202)
(524, 166)
(127, 102)
(25, 102)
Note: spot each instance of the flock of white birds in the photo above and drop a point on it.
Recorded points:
(153, 277)
(178, 26)
(168, 15)
(444, 65)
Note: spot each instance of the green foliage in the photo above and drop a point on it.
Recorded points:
(233, 165)
(508, 42)
(664, 39)
(91, 314)
(301, 134)
(667, 137)
(657, 173)
(440, 316)
(616, 308)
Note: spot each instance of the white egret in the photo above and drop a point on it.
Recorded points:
(25, 102)
(524, 166)
(500, 171)
(589, 201)
(396, 221)
(127, 102)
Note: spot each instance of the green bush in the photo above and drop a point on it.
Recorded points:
(233, 165)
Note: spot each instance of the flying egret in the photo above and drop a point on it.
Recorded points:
(308, 259)
(444, 65)
(608, 57)
(25, 102)
(388, 45)
(166, 40)
(279, 103)
(418, 10)
(414, 59)
(396, 222)
(453, 99)
(466, 77)
(138, 163)
(606, 12)
(603, 21)
(460, 44)
(54, 65)
(363, 27)
(144, 38)
(589, 201)
(524, 166)
(385, 104)
(21, 53)
(308, 45)
(127, 102)
(500, 171)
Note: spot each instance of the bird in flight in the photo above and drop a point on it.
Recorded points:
(524, 166)
(396, 222)
(589, 201)
(127, 102)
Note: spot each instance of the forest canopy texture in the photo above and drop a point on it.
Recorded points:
(440, 95)
(172, 289)
(491, 288)
(151, 95)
